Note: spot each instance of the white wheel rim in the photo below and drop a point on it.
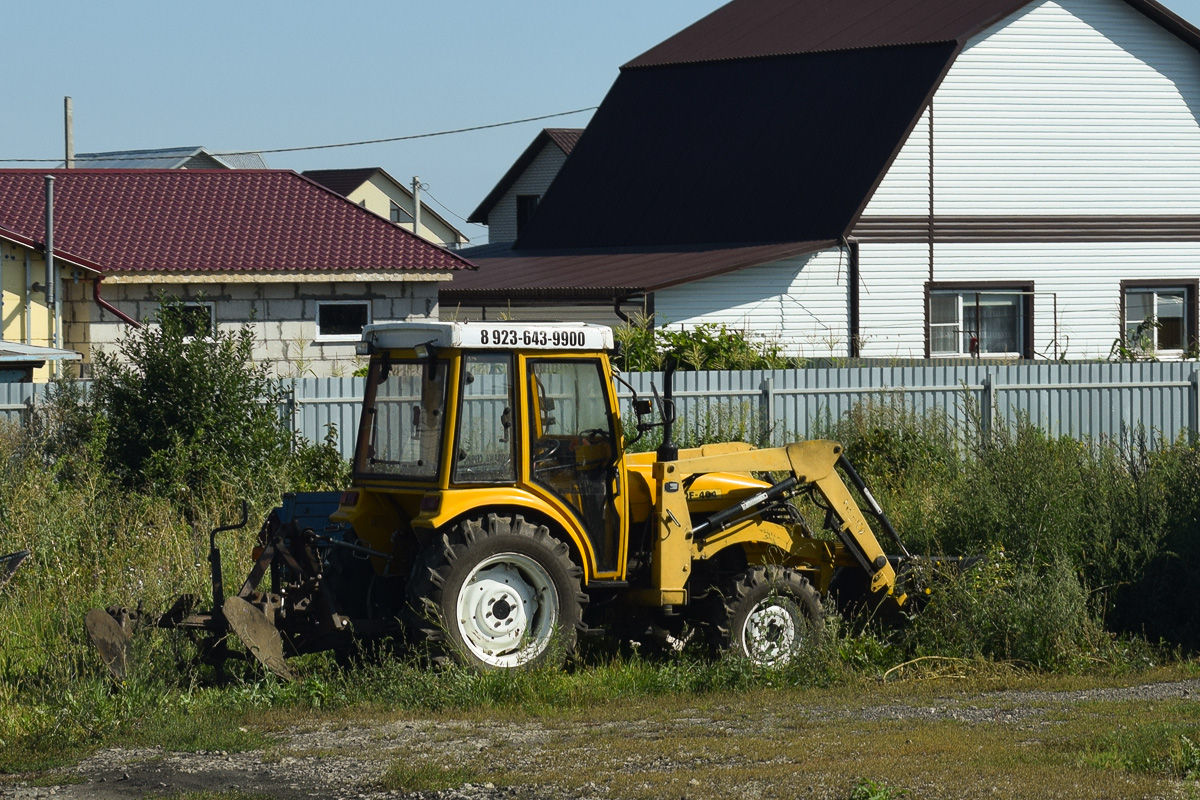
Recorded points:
(507, 610)
(770, 634)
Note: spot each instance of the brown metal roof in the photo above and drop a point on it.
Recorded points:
(607, 273)
(783, 149)
(342, 181)
(756, 28)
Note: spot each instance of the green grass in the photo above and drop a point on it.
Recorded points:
(406, 776)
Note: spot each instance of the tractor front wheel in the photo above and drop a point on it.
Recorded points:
(768, 614)
(498, 593)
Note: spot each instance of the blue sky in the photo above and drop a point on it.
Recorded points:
(265, 74)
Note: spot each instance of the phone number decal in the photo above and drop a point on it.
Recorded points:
(512, 337)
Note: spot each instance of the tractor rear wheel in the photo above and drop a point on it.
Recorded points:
(767, 614)
(498, 593)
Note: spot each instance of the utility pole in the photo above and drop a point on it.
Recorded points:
(416, 189)
(69, 130)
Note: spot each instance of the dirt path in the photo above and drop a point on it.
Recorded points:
(351, 761)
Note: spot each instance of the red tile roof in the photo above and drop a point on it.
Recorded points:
(208, 220)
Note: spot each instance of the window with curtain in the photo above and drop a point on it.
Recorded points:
(966, 322)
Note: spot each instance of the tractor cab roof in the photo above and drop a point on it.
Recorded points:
(500, 335)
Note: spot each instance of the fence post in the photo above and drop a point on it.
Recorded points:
(293, 409)
(1194, 422)
(987, 406)
(766, 410)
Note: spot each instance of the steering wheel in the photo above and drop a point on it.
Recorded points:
(546, 448)
(596, 433)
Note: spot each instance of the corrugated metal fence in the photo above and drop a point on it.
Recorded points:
(1081, 400)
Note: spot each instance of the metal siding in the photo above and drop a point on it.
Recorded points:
(892, 299)
(905, 187)
(798, 302)
(1084, 276)
(502, 218)
(1070, 107)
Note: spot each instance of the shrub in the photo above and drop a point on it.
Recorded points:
(1008, 610)
(646, 348)
(189, 414)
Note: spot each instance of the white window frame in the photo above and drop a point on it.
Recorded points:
(339, 337)
(964, 295)
(212, 316)
(1155, 290)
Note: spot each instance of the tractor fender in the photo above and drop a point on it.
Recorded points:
(508, 500)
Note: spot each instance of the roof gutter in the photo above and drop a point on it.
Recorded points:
(107, 306)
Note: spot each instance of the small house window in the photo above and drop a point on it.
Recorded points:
(1159, 318)
(398, 214)
(526, 205)
(198, 319)
(342, 320)
(966, 321)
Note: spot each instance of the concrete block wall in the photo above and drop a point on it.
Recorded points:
(282, 316)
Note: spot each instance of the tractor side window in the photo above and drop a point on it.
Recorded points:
(406, 414)
(485, 421)
(573, 447)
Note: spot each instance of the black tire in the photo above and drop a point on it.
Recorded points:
(768, 615)
(498, 593)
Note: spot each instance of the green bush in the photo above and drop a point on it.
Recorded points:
(647, 347)
(189, 415)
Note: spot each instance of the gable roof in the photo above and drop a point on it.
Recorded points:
(165, 158)
(758, 28)
(207, 220)
(345, 181)
(342, 181)
(564, 139)
(692, 151)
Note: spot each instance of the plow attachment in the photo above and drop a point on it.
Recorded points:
(9, 565)
(297, 614)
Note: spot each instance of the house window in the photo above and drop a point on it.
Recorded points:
(526, 205)
(397, 213)
(342, 320)
(1159, 317)
(980, 320)
(198, 319)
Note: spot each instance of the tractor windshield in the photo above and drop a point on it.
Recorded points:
(403, 418)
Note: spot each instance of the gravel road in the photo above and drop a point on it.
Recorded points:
(337, 761)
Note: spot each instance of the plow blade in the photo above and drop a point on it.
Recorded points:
(110, 640)
(261, 638)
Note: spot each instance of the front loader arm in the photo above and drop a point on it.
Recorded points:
(679, 540)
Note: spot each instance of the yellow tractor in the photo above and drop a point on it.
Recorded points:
(496, 513)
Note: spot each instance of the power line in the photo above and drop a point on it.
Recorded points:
(444, 206)
(317, 146)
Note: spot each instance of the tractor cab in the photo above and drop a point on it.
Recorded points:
(514, 417)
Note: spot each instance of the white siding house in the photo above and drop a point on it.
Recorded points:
(996, 178)
(1065, 159)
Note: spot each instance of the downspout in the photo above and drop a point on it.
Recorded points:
(107, 306)
(853, 315)
(28, 300)
(617, 309)
(52, 268)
